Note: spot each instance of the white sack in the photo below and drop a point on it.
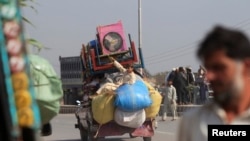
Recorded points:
(130, 119)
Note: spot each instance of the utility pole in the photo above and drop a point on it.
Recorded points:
(139, 36)
(139, 24)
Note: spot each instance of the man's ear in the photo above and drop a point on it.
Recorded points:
(247, 62)
(247, 66)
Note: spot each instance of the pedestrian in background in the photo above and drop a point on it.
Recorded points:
(183, 86)
(169, 101)
(170, 75)
(190, 85)
(203, 92)
(225, 54)
(179, 83)
(196, 93)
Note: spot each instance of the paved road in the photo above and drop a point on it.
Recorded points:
(63, 130)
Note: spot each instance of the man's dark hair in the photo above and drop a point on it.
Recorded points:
(234, 42)
(181, 69)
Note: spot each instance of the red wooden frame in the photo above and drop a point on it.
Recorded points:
(108, 66)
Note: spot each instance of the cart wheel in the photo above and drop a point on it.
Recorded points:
(146, 138)
(91, 134)
(84, 134)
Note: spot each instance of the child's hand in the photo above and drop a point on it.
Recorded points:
(111, 59)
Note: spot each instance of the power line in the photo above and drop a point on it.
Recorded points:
(184, 47)
(243, 23)
(169, 58)
(170, 54)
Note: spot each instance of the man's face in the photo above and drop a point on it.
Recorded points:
(225, 76)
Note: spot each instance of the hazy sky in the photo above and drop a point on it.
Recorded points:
(170, 31)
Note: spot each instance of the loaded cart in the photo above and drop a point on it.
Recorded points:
(119, 110)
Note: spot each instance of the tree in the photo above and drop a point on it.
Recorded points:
(30, 41)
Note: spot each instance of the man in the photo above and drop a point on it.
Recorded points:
(180, 84)
(202, 83)
(190, 85)
(201, 72)
(170, 75)
(190, 76)
(225, 54)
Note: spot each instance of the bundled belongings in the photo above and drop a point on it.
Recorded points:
(132, 98)
(103, 108)
(130, 119)
(107, 88)
(156, 97)
(108, 85)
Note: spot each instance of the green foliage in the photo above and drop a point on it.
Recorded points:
(27, 21)
(31, 41)
(25, 3)
(35, 43)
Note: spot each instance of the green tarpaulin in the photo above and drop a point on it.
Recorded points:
(48, 87)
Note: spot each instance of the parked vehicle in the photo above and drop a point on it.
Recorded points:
(71, 77)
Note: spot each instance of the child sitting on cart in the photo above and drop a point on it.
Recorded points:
(128, 72)
(128, 77)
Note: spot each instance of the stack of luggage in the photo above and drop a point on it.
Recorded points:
(129, 105)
